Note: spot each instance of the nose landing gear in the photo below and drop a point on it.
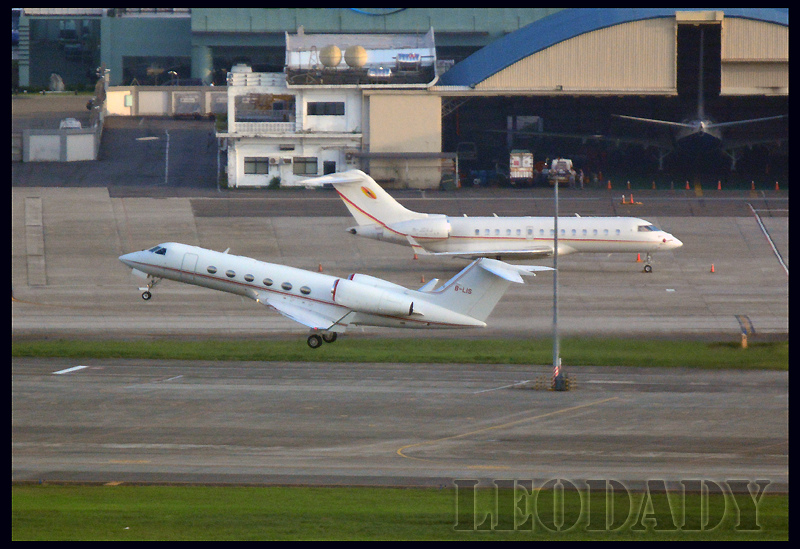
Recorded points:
(146, 295)
(648, 268)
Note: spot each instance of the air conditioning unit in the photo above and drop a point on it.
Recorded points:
(273, 161)
(286, 160)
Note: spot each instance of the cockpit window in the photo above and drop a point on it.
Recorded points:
(158, 250)
(645, 228)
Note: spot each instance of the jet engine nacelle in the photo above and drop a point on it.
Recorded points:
(370, 299)
(375, 282)
(432, 227)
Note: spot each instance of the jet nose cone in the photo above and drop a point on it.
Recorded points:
(127, 259)
(671, 242)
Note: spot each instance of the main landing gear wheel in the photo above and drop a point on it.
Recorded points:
(314, 341)
(146, 295)
(330, 337)
(648, 268)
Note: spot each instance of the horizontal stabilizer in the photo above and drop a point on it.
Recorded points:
(510, 272)
(330, 179)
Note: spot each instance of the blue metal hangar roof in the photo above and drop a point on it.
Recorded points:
(567, 24)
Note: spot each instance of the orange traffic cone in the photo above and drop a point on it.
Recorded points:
(638, 258)
(687, 184)
(776, 185)
(752, 185)
(609, 184)
(319, 268)
(415, 256)
(712, 267)
(719, 185)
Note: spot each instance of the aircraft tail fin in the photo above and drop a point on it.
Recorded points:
(365, 199)
(477, 289)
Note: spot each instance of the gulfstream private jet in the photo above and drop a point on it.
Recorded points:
(329, 304)
(381, 217)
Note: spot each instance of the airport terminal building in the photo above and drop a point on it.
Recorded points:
(417, 95)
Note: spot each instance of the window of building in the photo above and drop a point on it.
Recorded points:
(328, 108)
(304, 165)
(254, 165)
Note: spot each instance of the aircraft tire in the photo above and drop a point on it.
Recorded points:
(329, 337)
(146, 295)
(314, 341)
(648, 269)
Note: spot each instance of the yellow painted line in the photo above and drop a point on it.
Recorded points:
(401, 451)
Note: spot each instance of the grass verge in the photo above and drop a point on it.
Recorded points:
(574, 351)
(79, 512)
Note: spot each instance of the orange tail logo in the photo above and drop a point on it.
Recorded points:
(369, 193)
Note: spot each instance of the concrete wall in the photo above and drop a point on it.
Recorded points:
(166, 100)
(61, 145)
(405, 122)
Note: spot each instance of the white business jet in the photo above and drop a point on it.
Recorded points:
(381, 217)
(329, 304)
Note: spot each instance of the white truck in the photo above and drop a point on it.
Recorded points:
(561, 172)
(521, 173)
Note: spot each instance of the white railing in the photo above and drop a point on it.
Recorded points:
(257, 128)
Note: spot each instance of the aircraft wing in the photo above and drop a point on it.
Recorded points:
(302, 315)
(529, 253)
(615, 140)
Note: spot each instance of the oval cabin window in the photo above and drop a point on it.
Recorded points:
(230, 274)
(286, 286)
(305, 290)
(212, 270)
(249, 278)
(267, 282)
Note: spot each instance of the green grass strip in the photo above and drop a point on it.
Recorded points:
(155, 512)
(574, 351)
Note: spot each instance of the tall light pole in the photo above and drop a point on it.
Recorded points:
(558, 383)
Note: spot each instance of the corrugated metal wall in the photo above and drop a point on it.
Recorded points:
(640, 58)
(637, 57)
(755, 58)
